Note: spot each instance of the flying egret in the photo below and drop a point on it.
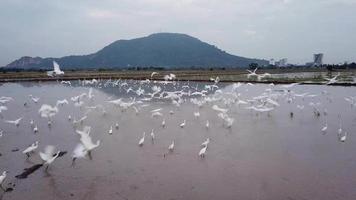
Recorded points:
(87, 141)
(48, 111)
(79, 152)
(332, 80)
(153, 73)
(16, 122)
(30, 149)
(34, 99)
(142, 140)
(251, 73)
(48, 156)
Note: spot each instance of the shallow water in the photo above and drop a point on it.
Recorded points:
(262, 156)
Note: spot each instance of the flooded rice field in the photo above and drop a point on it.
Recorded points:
(259, 141)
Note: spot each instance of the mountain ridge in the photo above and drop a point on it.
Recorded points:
(166, 50)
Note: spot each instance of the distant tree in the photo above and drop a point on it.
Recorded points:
(253, 65)
(329, 67)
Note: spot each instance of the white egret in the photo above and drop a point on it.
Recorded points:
(163, 123)
(79, 152)
(2, 108)
(16, 122)
(332, 80)
(2, 178)
(56, 70)
(182, 124)
(342, 138)
(48, 111)
(61, 102)
(117, 125)
(251, 73)
(30, 149)
(197, 114)
(35, 129)
(34, 99)
(153, 73)
(171, 146)
(48, 156)
(110, 130)
(142, 140)
(152, 135)
(207, 125)
(202, 151)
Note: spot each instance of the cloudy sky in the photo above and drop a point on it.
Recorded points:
(294, 29)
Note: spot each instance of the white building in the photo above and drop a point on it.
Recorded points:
(282, 62)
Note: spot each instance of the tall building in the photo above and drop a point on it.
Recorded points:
(318, 59)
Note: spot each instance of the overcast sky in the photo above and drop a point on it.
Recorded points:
(293, 29)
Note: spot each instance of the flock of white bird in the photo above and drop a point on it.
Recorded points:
(180, 92)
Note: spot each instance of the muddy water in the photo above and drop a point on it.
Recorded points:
(264, 156)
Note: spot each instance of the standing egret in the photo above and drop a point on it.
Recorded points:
(152, 135)
(142, 140)
(182, 124)
(110, 131)
(207, 125)
(196, 114)
(202, 151)
(35, 129)
(342, 138)
(2, 178)
(171, 147)
(30, 149)
(117, 125)
(163, 123)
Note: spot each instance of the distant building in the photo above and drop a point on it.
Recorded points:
(318, 59)
(282, 62)
(271, 62)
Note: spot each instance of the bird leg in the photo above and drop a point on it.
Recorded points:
(89, 154)
(73, 162)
